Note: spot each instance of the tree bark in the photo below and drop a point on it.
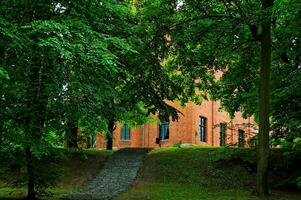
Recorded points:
(91, 142)
(30, 182)
(111, 127)
(33, 133)
(37, 99)
(72, 134)
(264, 124)
(31, 194)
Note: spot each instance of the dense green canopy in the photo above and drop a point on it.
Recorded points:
(87, 64)
(70, 64)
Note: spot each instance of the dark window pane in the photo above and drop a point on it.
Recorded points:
(202, 125)
(241, 138)
(125, 132)
(164, 130)
(223, 127)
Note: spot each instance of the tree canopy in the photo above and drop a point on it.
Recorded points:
(247, 41)
(83, 64)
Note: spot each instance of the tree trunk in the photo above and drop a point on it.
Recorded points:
(33, 134)
(91, 141)
(37, 99)
(264, 125)
(111, 127)
(31, 194)
(72, 134)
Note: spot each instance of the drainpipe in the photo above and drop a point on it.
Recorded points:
(249, 121)
(212, 123)
(148, 135)
(232, 127)
(143, 136)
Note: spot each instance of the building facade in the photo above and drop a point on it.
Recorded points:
(202, 124)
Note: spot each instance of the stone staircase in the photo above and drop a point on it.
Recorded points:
(118, 173)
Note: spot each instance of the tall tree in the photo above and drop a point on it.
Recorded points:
(51, 60)
(144, 83)
(264, 96)
(69, 63)
(232, 36)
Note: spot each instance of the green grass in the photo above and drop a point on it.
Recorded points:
(192, 174)
(11, 193)
(79, 166)
(174, 191)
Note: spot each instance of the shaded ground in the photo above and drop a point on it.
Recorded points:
(194, 174)
(79, 167)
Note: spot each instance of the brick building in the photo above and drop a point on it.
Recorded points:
(199, 125)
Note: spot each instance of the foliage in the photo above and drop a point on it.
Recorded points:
(238, 38)
(245, 157)
(88, 64)
(282, 163)
(225, 36)
(178, 144)
(76, 64)
(47, 174)
(60, 68)
(292, 159)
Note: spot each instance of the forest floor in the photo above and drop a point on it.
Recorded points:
(192, 173)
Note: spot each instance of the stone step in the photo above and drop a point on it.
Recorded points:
(118, 173)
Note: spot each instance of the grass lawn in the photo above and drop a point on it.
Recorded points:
(194, 174)
(79, 168)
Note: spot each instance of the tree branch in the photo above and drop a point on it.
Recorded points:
(255, 35)
(206, 16)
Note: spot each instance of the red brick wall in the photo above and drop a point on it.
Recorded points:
(135, 140)
(186, 129)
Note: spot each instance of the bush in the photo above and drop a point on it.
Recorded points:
(290, 162)
(178, 144)
(46, 169)
(284, 164)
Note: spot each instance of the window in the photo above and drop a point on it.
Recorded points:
(202, 124)
(125, 132)
(164, 130)
(241, 138)
(223, 127)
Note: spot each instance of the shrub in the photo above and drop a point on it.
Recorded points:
(46, 169)
(178, 144)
